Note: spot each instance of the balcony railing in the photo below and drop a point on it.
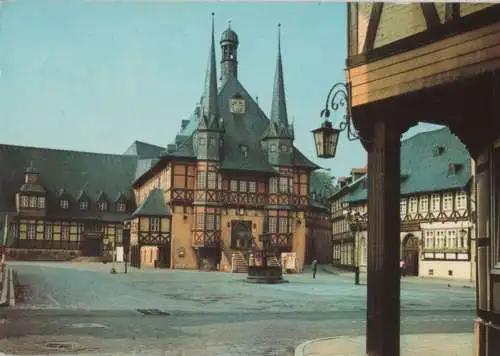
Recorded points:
(232, 199)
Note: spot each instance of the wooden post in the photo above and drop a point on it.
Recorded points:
(383, 296)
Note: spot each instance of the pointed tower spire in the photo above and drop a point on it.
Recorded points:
(279, 115)
(209, 110)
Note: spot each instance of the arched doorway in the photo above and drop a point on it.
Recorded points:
(241, 234)
(410, 254)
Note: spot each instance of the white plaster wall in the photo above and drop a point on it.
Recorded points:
(462, 270)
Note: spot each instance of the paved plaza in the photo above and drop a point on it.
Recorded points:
(75, 307)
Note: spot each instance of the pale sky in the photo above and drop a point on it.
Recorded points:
(95, 76)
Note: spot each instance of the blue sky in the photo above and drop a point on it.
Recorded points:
(95, 76)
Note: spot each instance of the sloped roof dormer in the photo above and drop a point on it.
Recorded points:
(31, 183)
(153, 205)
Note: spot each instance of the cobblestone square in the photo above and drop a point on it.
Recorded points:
(176, 312)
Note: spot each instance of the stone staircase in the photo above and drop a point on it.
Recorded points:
(241, 261)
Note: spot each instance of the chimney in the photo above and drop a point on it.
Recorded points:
(357, 173)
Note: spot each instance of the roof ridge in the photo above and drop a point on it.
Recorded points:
(427, 132)
(64, 150)
(147, 143)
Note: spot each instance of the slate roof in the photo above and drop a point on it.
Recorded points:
(244, 129)
(422, 170)
(71, 174)
(144, 150)
(153, 205)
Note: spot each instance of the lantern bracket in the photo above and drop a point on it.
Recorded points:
(337, 98)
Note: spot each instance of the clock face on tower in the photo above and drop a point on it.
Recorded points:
(237, 106)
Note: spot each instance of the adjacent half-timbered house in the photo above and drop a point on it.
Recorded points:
(62, 203)
(232, 174)
(437, 208)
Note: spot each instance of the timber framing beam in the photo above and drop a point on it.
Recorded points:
(430, 14)
(371, 31)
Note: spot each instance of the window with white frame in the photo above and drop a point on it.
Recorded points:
(284, 185)
(84, 205)
(423, 204)
(64, 204)
(273, 185)
(272, 221)
(402, 207)
(200, 222)
(210, 222)
(24, 201)
(461, 201)
(233, 185)
(212, 180)
(31, 231)
(436, 202)
(65, 233)
(429, 239)
(219, 181)
(243, 185)
(121, 207)
(283, 225)
(102, 206)
(41, 202)
(252, 187)
(155, 224)
(48, 232)
(448, 201)
(201, 179)
(32, 202)
(451, 241)
(440, 239)
(413, 205)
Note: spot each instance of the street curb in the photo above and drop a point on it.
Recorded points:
(299, 350)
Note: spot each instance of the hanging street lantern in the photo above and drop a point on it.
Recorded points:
(326, 137)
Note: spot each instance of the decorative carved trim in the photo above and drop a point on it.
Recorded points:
(204, 238)
(154, 238)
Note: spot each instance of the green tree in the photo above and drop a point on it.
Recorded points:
(322, 184)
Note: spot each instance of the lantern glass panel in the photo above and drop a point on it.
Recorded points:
(318, 139)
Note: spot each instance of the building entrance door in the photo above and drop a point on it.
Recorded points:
(410, 255)
(164, 256)
(92, 245)
(241, 233)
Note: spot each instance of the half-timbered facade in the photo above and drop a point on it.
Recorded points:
(438, 61)
(437, 208)
(232, 173)
(61, 203)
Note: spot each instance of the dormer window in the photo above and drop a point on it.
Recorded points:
(437, 150)
(41, 202)
(64, 204)
(284, 148)
(121, 207)
(32, 202)
(24, 201)
(102, 206)
(453, 169)
(273, 148)
(84, 205)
